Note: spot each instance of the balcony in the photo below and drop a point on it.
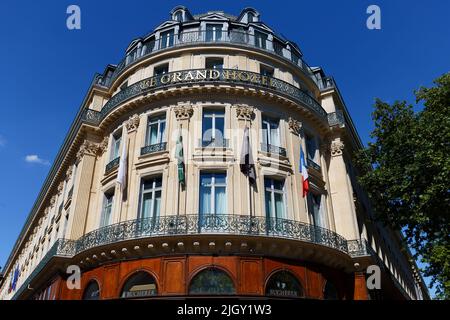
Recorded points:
(205, 76)
(214, 143)
(271, 149)
(153, 148)
(311, 164)
(235, 37)
(112, 165)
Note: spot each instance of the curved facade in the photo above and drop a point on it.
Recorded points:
(149, 196)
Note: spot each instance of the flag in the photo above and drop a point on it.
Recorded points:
(179, 154)
(15, 278)
(304, 172)
(123, 167)
(247, 164)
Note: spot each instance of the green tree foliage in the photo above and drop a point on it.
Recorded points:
(406, 171)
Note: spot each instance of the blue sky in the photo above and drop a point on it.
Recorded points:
(46, 69)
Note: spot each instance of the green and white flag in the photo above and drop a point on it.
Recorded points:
(179, 154)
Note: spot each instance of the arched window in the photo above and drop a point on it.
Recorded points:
(284, 284)
(330, 292)
(141, 284)
(212, 281)
(92, 291)
(179, 16)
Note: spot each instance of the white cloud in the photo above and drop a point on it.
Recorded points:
(33, 158)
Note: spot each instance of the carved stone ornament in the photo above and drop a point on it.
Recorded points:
(60, 186)
(295, 126)
(244, 112)
(52, 201)
(132, 123)
(103, 146)
(336, 148)
(69, 172)
(183, 112)
(87, 148)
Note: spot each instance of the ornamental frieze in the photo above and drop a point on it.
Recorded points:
(295, 126)
(87, 148)
(133, 123)
(103, 146)
(183, 112)
(336, 148)
(244, 112)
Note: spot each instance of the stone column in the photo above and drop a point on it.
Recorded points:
(341, 193)
(86, 157)
(240, 186)
(125, 201)
(183, 114)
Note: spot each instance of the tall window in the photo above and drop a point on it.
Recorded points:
(214, 63)
(213, 32)
(105, 219)
(150, 198)
(212, 193)
(156, 130)
(260, 39)
(311, 147)
(161, 69)
(213, 125)
(271, 132)
(266, 71)
(115, 146)
(179, 16)
(316, 210)
(274, 198)
(212, 281)
(167, 39)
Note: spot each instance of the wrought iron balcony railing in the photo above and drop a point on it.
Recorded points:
(157, 147)
(241, 38)
(270, 148)
(199, 76)
(312, 164)
(112, 165)
(214, 143)
(336, 119)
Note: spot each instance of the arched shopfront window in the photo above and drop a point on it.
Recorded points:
(330, 292)
(141, 284)
(92, 291)
(284, 284)
(212, 281)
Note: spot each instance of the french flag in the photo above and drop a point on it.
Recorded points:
(304, 172)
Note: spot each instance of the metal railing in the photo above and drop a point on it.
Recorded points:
(336, 119)
(310, 163)
(157, 147)
(270, 148)
(112, 165)
(217, 224)
(214, 143)
(198, 76)
(236, 37)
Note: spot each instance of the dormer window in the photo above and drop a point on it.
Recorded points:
(179, 16)
(213, 32)
(167, 39)
(250, 17)
(260, 39)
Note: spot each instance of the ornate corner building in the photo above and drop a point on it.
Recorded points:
(194, 84)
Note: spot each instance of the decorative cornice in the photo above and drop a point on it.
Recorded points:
(183, 112)
(295, 126)
(337, 146)
(52, 201)
(244, 112)
(133, 123)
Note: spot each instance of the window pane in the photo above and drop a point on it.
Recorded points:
(278, 185)
(157, 205)
(146, 205)
(220, 124)
(279, 205)
(268, 198)
(220, 200)
(207, 128)
(220, 178)
(152, 134)
(162, 131)
(205, 200)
